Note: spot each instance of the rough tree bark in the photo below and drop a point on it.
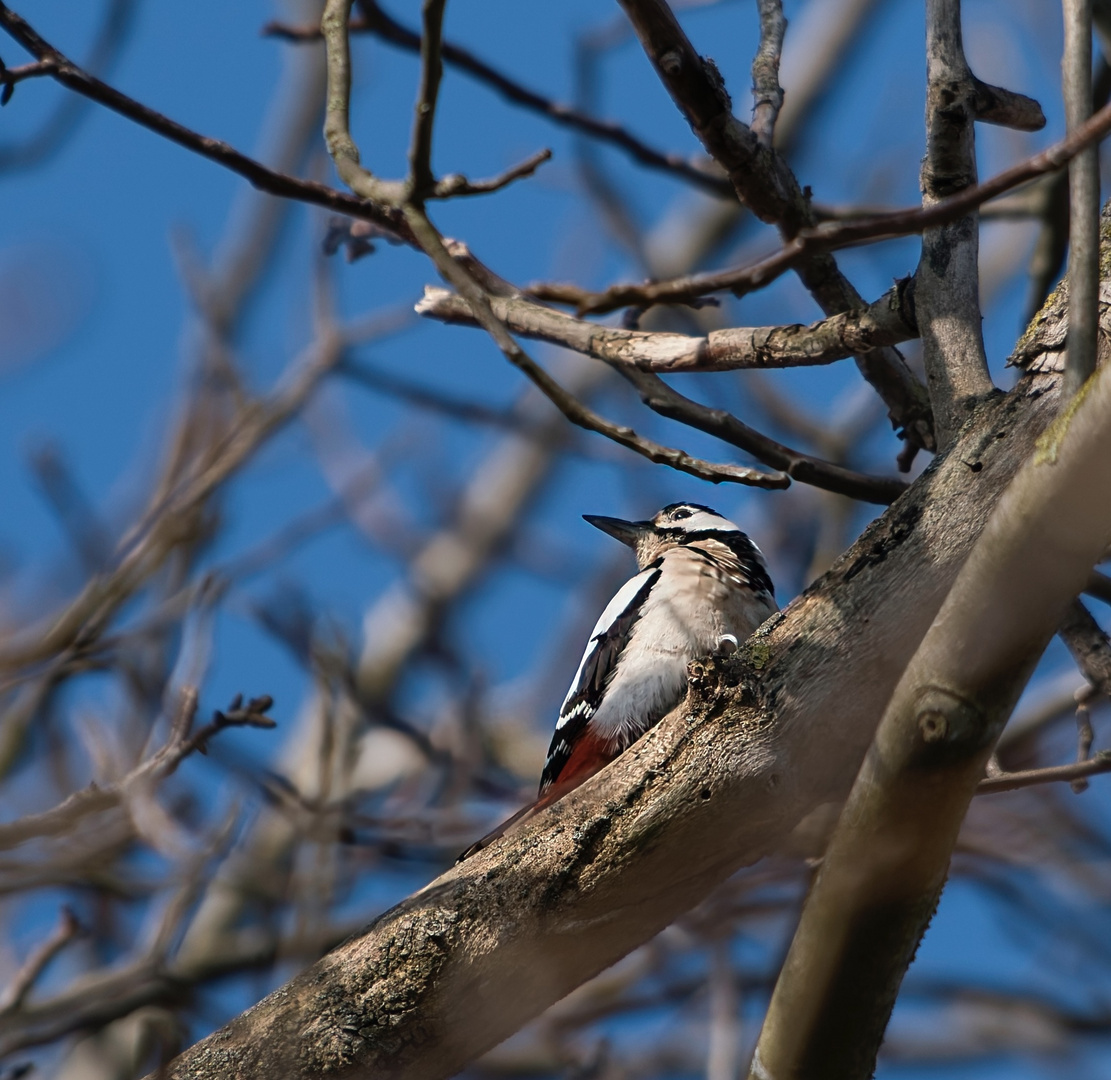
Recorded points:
(763, 739)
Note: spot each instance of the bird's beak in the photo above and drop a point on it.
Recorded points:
(628, 532)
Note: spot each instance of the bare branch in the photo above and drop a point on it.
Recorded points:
(1089, 647)
(948, 271)
(888, 320)
(378, 22)
(337, 126)
(661, 398)
(421, 179)
(96, 799)
(81, 82)
(9, 77)
(767, 94)
(622, 349)
(67, 929)
(765, 183)
(1076, 80)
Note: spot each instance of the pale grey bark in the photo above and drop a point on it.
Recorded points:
(886, 864)
(948, 292)
(1076, 82)
(887, 321)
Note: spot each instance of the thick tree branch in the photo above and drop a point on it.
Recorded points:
(889, 855)
(762, 739)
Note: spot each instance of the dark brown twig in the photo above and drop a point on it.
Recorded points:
(9, 77)
(766, 184)
(832, 235)
(377, 22)
(81, 82)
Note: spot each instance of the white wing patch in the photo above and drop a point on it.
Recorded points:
(613, 611)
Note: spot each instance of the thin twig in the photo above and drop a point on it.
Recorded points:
(81, 82)
(1085, 736)
(421, 179)
(1011, 781)
(10, 76)
(67, 929)
(379, 23)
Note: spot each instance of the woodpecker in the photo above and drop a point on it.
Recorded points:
(702, 583)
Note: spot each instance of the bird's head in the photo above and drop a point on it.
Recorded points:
(676, 524)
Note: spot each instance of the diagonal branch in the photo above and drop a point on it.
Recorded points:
(274, 183)
(763, 739)
(831, 235)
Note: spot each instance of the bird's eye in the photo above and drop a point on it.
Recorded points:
(678, 515)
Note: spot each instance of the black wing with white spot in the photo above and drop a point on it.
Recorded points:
(607, 642)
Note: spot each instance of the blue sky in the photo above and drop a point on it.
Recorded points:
(96, 324)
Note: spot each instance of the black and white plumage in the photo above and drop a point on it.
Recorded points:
(701, 582)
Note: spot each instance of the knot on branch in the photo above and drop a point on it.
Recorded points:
(729, 677)
(948, 725)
